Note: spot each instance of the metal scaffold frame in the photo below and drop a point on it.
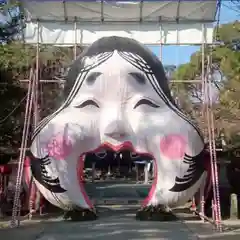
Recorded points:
(35, 81)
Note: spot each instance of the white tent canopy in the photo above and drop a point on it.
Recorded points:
(150, 22)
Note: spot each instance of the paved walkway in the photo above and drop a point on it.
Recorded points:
(117, 189)
(115, 224)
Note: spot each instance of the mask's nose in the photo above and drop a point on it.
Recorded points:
(117, 129)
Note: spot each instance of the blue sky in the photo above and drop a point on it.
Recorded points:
(175, 55)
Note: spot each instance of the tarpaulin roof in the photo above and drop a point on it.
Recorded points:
(143, 11)
(150, 22)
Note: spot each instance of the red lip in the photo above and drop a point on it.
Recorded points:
(123, 146)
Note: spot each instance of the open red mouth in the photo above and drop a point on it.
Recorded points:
(116, 148)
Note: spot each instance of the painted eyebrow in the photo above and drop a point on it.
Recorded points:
(91, 78)
(140, 78)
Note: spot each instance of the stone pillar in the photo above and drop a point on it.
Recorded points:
(93, 171)
(146, 173)
(137, 173)
(234, 206)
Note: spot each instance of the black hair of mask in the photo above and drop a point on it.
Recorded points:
(121, 44)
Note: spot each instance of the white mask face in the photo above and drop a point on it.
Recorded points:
(119, 101)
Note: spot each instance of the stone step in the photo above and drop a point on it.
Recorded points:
(117, 190)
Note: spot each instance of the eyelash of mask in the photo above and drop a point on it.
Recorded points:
(88, 103)
(146, 102)
(139, 103)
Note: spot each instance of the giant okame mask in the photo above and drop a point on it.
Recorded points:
(117, 97)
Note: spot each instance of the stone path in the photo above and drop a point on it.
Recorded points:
(116, 224)
(113, 224)
(117, 189)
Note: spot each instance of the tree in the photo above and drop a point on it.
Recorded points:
(11, 98)
(12, 21)
(16, 60)
(235, 5)
(11, 93)
(225, 70)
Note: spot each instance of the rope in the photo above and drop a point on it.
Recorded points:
(15, 211)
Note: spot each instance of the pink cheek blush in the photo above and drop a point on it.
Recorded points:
(173, 147)
(59, 147)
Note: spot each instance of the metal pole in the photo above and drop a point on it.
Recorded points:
(15, 211)
(213, 210)
(137, 173)
(212, 147)
(119, 163)
(211, 153)
(203, 71)
(193, 206)
(1, 192)
(202, 199)
(201, 195)
(63, 81)
(160, 44)
(32, 186)
(109, 169)
(146, 173)
(178, 41)
(130, 167)
(36, 97)
(75, 39)
(153, 169)
(93, 171)
(212, 129)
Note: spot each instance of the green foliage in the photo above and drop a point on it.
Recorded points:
(16, 60)
(14, 56)
(11, 122)
(13, 23)
(226, 60)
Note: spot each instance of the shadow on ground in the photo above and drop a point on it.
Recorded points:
(205, 230)
(117, 224)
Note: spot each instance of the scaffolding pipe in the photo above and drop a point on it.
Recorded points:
(214, 171)
(207, 114)
(32, 188)
(202, 197)
(75, 39)
(15, 212)
(63, 81)
(160, 44)
(212, 128)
